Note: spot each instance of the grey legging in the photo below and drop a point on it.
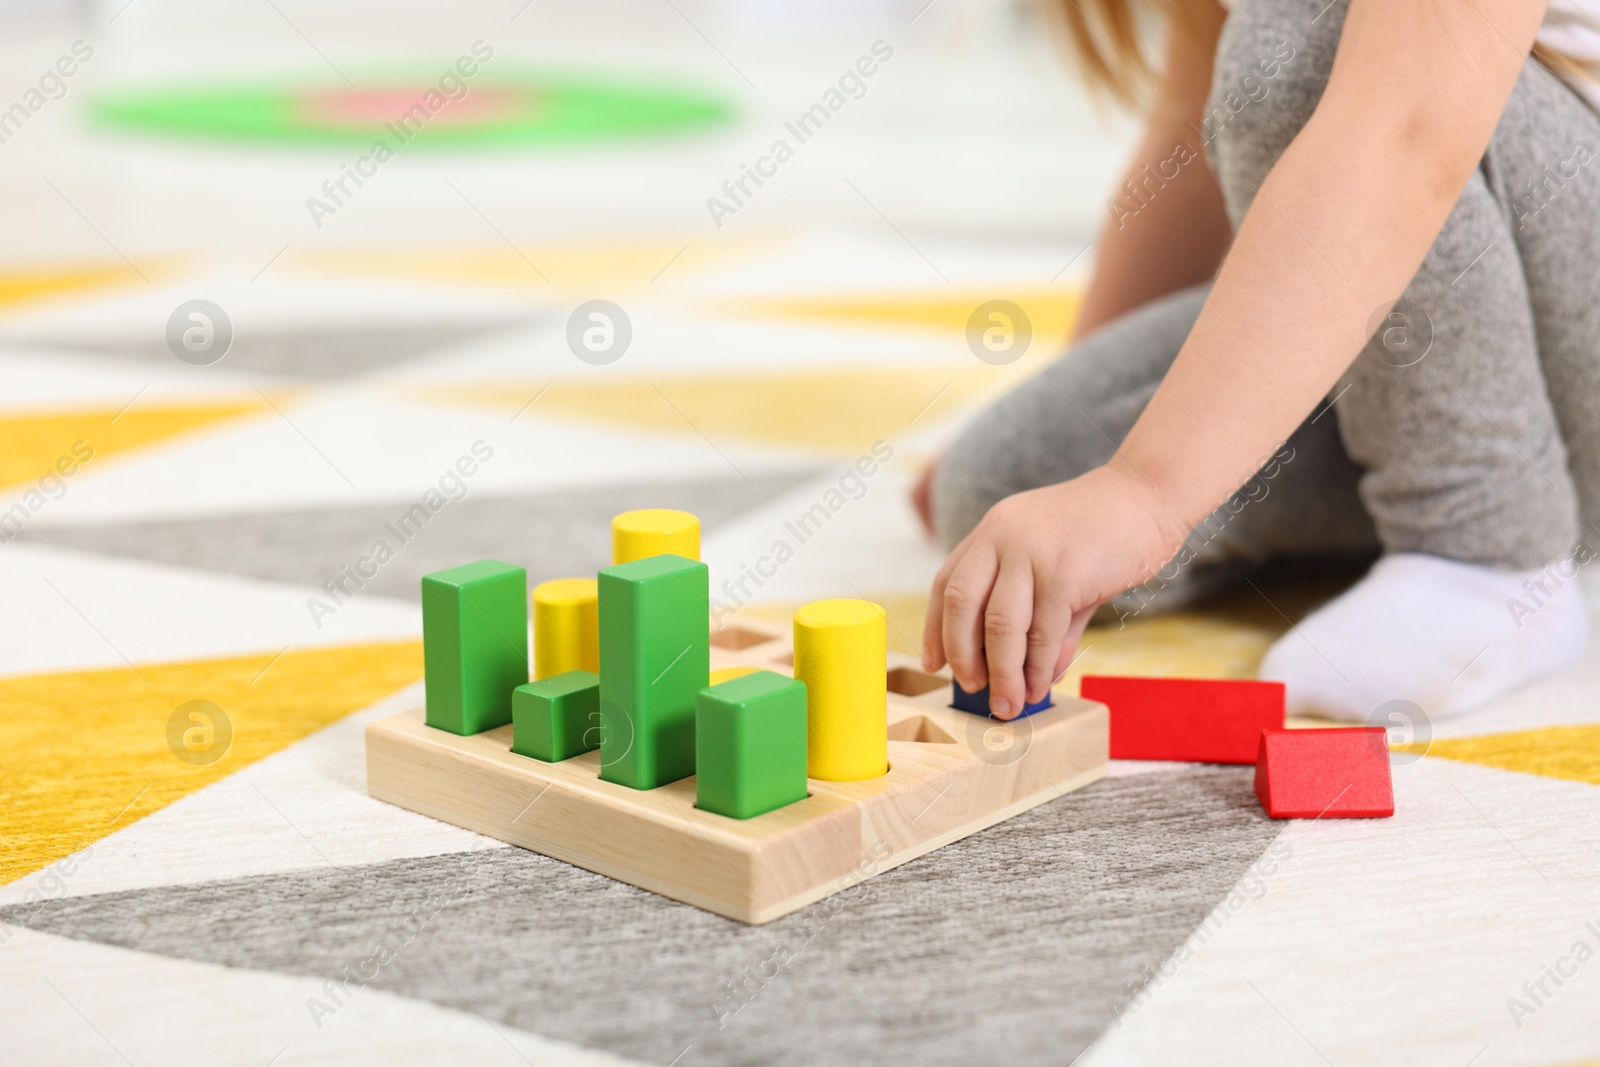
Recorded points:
(1486, 449)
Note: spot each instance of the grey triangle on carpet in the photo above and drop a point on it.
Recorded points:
(331, 351)
(555, 534)
(1019, 945)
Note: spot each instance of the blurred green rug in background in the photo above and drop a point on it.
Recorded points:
(500, 109)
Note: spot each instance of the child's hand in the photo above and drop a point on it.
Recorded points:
(1010, 603)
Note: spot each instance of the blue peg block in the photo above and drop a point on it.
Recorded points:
(978, 703)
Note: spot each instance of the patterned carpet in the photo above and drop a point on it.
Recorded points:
(176, 565)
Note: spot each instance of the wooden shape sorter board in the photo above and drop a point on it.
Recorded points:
(951, 773)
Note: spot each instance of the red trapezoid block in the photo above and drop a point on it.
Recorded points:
(1325, 774)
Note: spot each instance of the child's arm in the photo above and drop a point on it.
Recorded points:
(1336, 231)
(1176, 237)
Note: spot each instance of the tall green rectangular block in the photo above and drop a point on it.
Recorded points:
(750, 745)
(655, 656)
(474, 644)
(556, 718)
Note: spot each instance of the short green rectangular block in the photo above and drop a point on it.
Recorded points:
(655, 656)
(750, 745)
(556, 718)
(474, 644)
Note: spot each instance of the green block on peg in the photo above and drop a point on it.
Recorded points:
(750, 745)
(556, 718)
(474, 644)
(655, 656)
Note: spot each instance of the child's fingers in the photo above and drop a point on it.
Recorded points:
(966, 595)
(1069, 643)
(1006, 622)
(932, 646)
(933, 624)
(1053, 616)
(933, 656)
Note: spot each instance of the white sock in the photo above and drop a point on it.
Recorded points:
(1447, 636)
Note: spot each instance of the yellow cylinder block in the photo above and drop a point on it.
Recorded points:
(566, 627)
(841, 653)
(654, 532)
(728, 674)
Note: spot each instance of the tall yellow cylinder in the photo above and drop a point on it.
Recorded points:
(654, 532)
(566, 627)
(841, 653)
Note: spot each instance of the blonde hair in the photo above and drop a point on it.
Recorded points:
(1110, 38)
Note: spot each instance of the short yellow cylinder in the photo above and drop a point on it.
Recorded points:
(841, 653)
(728, 674)
(566, 627)
(654, 532)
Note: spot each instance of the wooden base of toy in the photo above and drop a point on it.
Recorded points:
(951, 774)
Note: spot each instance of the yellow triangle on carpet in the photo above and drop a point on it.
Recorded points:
(1051, 310)
(1571, 753)
(86, 753)
(834, 410)
(18, 286)
(615, 266)
(32, 446)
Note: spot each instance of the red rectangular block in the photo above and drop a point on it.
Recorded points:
(1325, 774)
(1194, 719)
